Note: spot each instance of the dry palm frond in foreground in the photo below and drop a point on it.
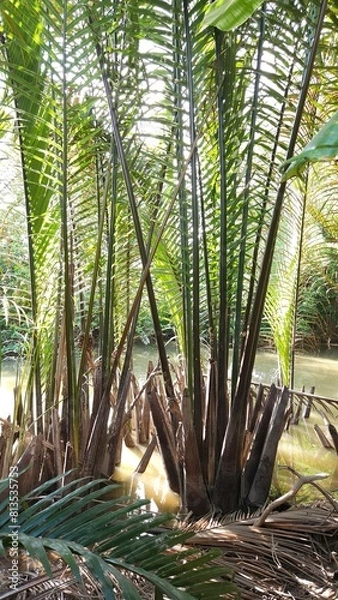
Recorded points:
(292, 556)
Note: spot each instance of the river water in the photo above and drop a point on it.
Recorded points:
(320, 371)
(299, 447)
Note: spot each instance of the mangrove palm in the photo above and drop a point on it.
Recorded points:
(150, 145)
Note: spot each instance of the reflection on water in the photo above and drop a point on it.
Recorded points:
(320, 371)
(299, 447)
(8, 377)
(152, 484)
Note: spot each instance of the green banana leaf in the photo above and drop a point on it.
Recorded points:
(323, 146)
(229, 14)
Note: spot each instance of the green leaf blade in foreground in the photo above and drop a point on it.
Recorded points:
(36, 548)
(229, 14)
(323, 146)
(65, 552)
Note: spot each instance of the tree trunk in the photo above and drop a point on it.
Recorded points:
(197, 500)
(166, 440)
(258, 443)
(261, 485)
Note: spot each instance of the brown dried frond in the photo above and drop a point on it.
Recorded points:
(292, 556)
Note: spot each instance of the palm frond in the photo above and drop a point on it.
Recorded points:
(279, 308)
(228, 15)
(120, 544)
(281, 557)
